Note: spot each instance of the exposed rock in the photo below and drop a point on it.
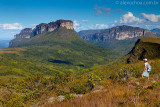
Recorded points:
(120, 33)
(43, 27)
(25, 33)
(78, 95)
(51, 99)
(60, 98)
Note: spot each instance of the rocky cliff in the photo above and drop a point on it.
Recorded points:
(44, 27)
(120, 33)
(25, 33)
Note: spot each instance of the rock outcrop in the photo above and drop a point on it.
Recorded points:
(120, 33)
(44, 27)
(25, 33)
(145, 47)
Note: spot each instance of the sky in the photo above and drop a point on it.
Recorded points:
(86, 14)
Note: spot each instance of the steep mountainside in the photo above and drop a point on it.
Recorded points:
(120, 38)
(25, 33)
(145, 47)
(44, 27)
(120, 33)
(63, 45)
(85, 33)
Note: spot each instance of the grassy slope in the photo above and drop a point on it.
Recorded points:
(122, 84)
(146, 47)
(42, 64)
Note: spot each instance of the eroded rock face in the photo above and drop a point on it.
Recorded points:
(43, 27)
(120, 33)
(25, 33)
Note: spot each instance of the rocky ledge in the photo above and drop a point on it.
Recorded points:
(44, 27)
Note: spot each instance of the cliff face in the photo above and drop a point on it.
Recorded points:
(120, 33)
(25, 33)
(43, 27)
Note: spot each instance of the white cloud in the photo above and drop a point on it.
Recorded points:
(8, 30)
(129, 18)
(151, 17)
(148, 21)
(13, 26)
(99, 26)
(77, 26)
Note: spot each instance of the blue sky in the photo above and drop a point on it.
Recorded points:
(86, 14)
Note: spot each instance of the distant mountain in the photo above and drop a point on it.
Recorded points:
(85, 33)
(62, 44)
(145, 47)
(120, 38)
(119, 33)
(157, 30)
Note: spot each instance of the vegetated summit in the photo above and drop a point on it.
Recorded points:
(57, 42)
(145, 47)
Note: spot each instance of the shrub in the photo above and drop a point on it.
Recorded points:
(61, 92)
(129, 71)
(69, 96)
(80, 88)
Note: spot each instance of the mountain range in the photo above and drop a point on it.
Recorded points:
(123, 32)
(58, 43)
(120, 38)
(51, 62)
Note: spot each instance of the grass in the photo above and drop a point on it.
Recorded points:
(38, 72)
(117, 91)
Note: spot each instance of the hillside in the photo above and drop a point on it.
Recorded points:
(64, 45)
(116, 84)
(33, 68)
(120, 38)
(145, 47)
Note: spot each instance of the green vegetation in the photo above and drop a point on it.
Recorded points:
(40, 68)
(120, 47)
(145, 47)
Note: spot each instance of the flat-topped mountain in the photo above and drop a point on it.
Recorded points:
(119, 33)
(44, 27)
(62, 44)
